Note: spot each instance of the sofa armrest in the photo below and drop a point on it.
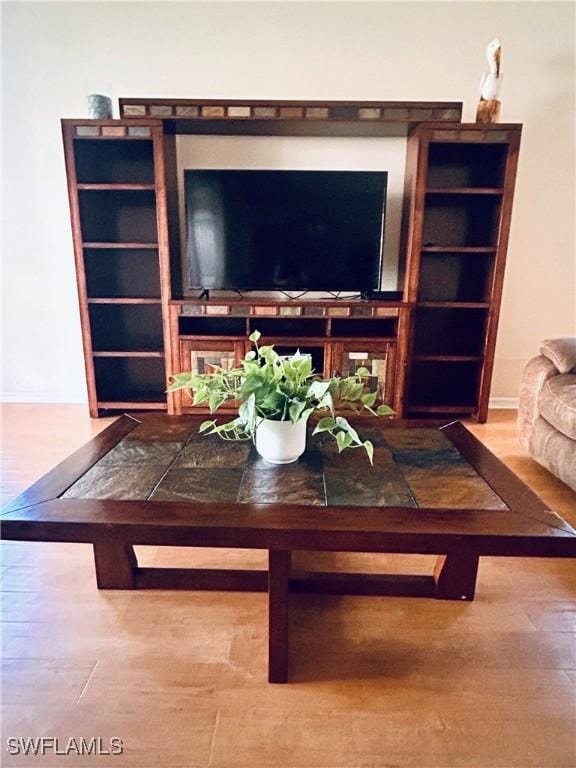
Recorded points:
(536, 372)
(561, 352)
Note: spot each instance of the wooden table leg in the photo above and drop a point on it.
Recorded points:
(115, 564)
(455, 575)
(278, 614)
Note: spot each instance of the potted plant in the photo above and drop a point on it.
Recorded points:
(277, 395)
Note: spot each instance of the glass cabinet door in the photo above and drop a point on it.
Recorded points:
(380, 363)
(207, 358)
(209, 361)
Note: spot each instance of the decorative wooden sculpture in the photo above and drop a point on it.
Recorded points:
(489, 105)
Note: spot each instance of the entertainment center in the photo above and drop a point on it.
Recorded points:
(430, 344)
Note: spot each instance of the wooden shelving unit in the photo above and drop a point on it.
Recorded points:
(431, 352)
(117, 206)
(461, 190)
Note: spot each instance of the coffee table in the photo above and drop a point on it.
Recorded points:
(152, 479)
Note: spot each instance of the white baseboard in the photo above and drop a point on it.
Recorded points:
(503, 402)
(41, 398)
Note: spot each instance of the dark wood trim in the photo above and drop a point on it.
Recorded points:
(252, 526)
(208, 579)
(59, 479)
(72, 186)
(498, 275)
(115, 563)
(513, 491)
(162, 215)
(455, 576)
(278, 615)
(366, 584)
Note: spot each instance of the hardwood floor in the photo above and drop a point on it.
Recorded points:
(378, 682)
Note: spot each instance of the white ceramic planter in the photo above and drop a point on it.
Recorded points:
(281, 442)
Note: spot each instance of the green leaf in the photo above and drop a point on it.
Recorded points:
(247, 413)
(343, 440)
(250, 355)
(208, 424)
(327, 402)
(384, 410)
(345, 425)
(318, 389)
(215, 401)
(369, 398)
(180, 381)
(201, 395)
(295, 410)
(325, 425)
(363, 372)
(351, 389)
(369, 450)
(306, 414)
(255, 336)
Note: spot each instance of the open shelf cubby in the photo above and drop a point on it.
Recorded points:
(439, 383)
(453, 276)
(464, 165)
(458, 220)
(126, 327)
(114, 161)
(369, 329)
(118, 216)
(130, 379)
(449, 331)
(122, 273)
(287, 327)
(315, 352)
(211, 326)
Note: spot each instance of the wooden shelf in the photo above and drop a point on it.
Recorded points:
(457, 249)
(450, 358)
(292, 340)
(123, 300)
(128, 187)
(464, 191)
(454, 304)
(132, 405)
(441, 408)
(125, 353)
(119, 245)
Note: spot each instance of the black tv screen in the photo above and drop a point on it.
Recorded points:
(284, 230)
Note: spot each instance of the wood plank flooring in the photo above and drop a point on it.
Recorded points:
(377, 682)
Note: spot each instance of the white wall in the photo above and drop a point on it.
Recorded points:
(55, 53)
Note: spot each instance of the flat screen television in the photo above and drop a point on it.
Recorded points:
(284, 230)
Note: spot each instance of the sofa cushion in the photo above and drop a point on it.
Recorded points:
(557, 403)
(554, 450)
(561, 352)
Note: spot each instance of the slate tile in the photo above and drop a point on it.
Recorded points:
(309, 463)
(131, 483)
(453, 492)
(430, 462)
(356, 460)
(213, 452)
(166, 431)
(423, 438)
(133, 453)
(372, 487)
(202, 485)
(282, 485)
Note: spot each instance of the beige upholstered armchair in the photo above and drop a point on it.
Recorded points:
(547, 409)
